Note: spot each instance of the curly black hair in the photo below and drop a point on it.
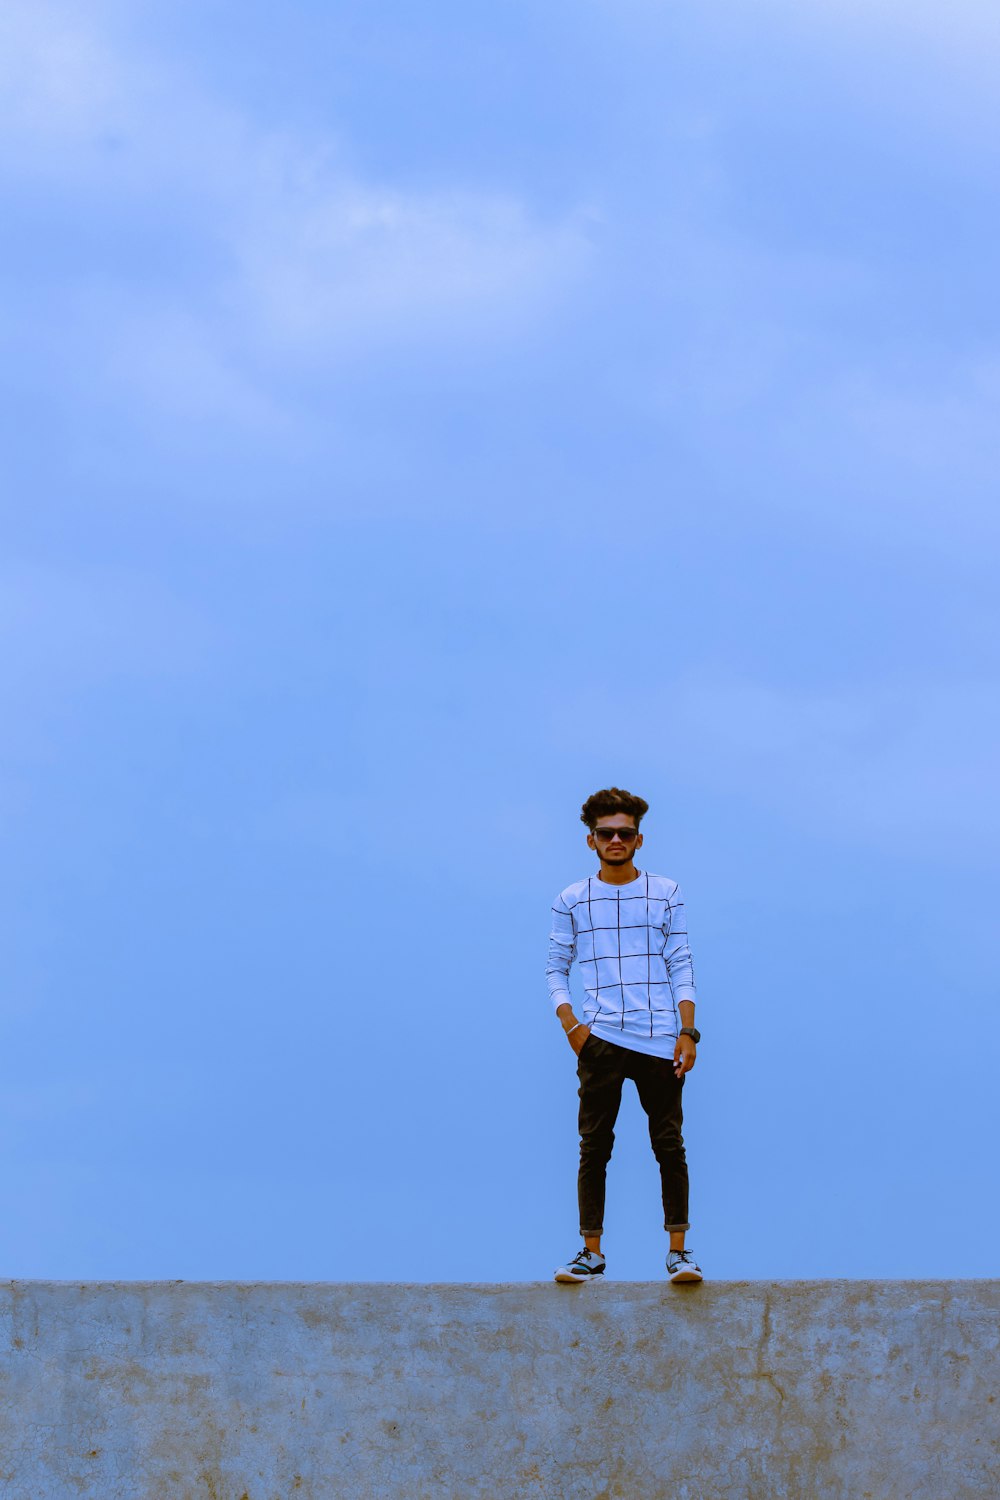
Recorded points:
(612, 800)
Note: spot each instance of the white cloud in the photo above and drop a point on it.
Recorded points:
(964, 25)
(931, 66)
(347, 262)
(58, 79)
(295, 255)
(261, 256)
(965, 30)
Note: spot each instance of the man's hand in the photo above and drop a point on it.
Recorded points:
(577, 1036)
(684, 1055)
(576, 1033)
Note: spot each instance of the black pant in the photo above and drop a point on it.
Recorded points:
(602, 1068)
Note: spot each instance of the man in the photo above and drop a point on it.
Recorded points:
(627, 930)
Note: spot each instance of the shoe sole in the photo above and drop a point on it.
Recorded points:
(687, 1276)
(567, 1276)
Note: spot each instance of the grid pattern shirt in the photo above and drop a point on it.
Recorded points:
(631, 943)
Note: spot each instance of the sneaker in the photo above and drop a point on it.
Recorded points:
(585, 1266)
(682, 1266)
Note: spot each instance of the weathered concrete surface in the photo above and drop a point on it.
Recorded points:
(226, 1391)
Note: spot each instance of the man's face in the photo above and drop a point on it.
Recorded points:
(615, 838)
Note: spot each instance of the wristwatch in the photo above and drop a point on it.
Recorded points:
(692, 1032)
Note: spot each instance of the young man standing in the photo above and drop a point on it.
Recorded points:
(627, 930)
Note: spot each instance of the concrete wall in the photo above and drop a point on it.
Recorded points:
(224, 1391)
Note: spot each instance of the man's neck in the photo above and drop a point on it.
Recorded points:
(618, 874)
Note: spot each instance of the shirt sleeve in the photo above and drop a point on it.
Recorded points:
(677, 951)
(562, 951)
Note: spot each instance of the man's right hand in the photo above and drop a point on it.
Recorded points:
(577, 1036)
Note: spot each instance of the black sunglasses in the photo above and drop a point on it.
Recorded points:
(607, 834)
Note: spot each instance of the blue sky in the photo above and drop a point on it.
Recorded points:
(417, 417)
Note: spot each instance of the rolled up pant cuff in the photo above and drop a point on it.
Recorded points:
(672, 1228)
(586, 1232)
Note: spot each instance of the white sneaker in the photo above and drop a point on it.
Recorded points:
(682, 1266)
(585, 1266)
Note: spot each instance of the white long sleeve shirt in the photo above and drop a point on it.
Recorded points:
(631, 943)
